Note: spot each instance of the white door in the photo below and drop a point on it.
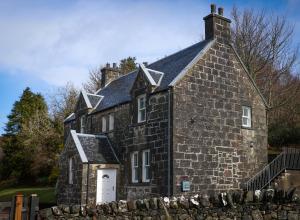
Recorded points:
(106, 185)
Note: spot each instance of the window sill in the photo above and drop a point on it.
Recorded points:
(140, 183)
(247, 128)
(138, 124)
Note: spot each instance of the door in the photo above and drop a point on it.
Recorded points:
(106, 185)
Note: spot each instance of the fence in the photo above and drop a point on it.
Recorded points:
(289, 159)
(21, 208)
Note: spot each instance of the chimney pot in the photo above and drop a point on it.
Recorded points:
(114, 65)
(220, 11)
(213, 8)
(108, 65)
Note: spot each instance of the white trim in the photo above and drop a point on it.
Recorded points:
(93, 94)
(101, 97)
(82, 123)
(70, 171)
(104, 124)
(148, 75)
(86, 99)
(90, 135)
(144, 166)
(139, 109)
(69, 116)
(79, 147)
(158, 72)
(247, 117)
(159, 81)
(133, 180)
(111, 122)
(192, 63)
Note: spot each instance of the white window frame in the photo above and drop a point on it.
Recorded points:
(141, 110)
(103, 124)
(71, 173)
(247, 117)
(111, 122)
(146, 165)
(135, 167)
(82, 124)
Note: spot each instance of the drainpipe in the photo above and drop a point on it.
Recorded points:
(169, 142)
(87, 183)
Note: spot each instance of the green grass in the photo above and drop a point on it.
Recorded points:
(46, 194)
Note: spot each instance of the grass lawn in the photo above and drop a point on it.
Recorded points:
(46, 194)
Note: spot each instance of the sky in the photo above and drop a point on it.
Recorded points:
(46, 44)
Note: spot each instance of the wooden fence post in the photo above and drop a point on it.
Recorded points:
(19, 207)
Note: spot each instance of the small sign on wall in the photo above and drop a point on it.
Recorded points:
(185, 186)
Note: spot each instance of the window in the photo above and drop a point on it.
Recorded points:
(111, 122)
(70, 170)
(103, 124)
(134, 167)
(141, 108)
(82, 124)
(146, 166)
(246, 117)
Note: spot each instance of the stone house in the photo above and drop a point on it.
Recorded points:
(191, 122)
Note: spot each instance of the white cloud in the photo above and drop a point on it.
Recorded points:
(59, 44)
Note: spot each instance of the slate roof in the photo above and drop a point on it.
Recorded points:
(156, 76)
(94, 99)
(118, 91)
(95, 148)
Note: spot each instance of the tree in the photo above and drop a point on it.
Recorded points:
(22, 110)
(94, 82)
(19, 152)
(265, 46)
(127, 65)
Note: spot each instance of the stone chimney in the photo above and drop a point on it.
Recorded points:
(109, 74)
(216, 26)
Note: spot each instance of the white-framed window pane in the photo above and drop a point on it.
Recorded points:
(82, 124)
(70, 170)
(141, 108)
(246, 116)
(111, 122)
(146, 166)
(134, 167)
(103, 124)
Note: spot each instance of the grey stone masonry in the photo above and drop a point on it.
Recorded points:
(193, 127)
(210, 146)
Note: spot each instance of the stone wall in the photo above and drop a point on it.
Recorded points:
(261, 205)
(211, 148)
(71, 193)
(129, 136)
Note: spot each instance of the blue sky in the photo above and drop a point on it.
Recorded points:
(45, 44)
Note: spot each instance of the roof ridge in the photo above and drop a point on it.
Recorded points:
(116, 80)
(177, 52)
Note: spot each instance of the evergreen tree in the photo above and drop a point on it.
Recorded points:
(26, 134)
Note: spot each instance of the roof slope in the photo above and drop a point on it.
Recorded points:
(118, 91)
(94, 148)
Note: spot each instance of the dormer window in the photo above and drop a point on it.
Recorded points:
(141, 108)
(82, 124)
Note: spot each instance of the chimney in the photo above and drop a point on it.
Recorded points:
(217, 26)
(109, 74)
